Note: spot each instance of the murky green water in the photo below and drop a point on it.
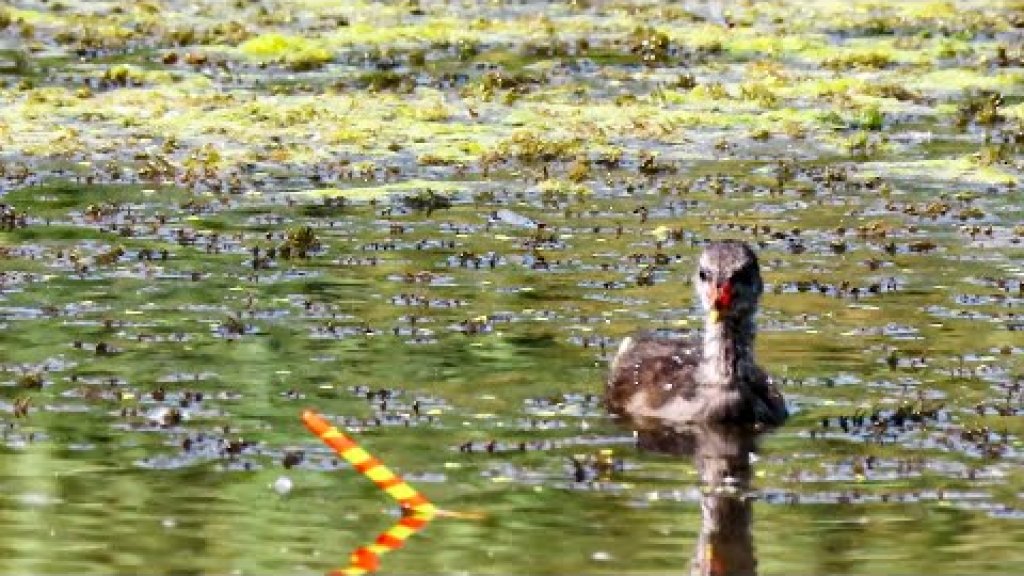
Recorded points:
(495, 195)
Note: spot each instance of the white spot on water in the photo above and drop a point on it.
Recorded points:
(283, 485)
(37, 499)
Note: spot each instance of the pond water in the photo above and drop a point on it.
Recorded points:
(433, 222)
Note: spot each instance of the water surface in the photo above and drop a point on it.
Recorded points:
(434, 221)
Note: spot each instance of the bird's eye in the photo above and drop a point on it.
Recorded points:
(704, 275)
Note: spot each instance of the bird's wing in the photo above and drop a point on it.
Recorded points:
(651, 369)
(769, 407)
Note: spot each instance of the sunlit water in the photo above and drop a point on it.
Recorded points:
(463, 338)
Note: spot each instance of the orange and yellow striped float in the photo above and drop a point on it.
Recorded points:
(417, 510)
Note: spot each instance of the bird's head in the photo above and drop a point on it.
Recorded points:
(728, 280)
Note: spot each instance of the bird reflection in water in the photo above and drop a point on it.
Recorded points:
(722, 455)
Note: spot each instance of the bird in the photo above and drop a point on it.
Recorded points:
(711, 379)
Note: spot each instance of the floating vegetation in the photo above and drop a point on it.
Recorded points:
(871, 59)
(427, 201)
(296, 52)
(300, 242)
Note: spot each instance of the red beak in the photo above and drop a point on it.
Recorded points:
(723, 297)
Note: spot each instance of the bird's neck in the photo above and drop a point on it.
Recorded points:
(728, 351)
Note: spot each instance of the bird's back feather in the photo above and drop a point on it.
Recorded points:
(656, 375)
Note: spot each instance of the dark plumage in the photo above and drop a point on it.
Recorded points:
(714, 379)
